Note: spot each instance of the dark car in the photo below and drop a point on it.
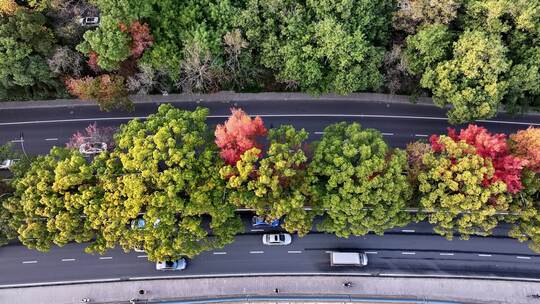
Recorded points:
(258, 221)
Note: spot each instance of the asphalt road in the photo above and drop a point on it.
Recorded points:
(399, 123)
(388, 256)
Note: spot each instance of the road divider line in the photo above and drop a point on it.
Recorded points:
(256, 252)
(29, 262)
(51, 139)
(446, 253)
(484, 255)
(142, 256)
(294, 251)
(523, 257)
(371, 252)
(408, 230)
(220, 252)
(105, 258)
(420, 135)
(68, 260)
(408, 253)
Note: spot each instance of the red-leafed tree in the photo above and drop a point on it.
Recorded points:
(92, 133)
(238, 134)
(141, 38)
(489, 146)
(526, 145)
(93, 61)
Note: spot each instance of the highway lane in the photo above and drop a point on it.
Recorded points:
(399, 123)
(388, 255)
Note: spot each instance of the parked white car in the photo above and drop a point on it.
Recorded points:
(7, 164)
(277, 239)
(93, 148)
(179, 264)
(89, 21)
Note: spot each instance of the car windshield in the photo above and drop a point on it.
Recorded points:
(169, 264)
(282, 237)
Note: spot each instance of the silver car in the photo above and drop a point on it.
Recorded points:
(179, 264)
(277, 239)
(93, 148)
(7, 164)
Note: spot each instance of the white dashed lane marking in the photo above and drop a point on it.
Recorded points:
(142, 256)
(408, 230)
(408, 253)
(446, 253)
(371, 252)
(105, 258)
(51, 139)
(484, 255)
(29, 262)
(220, 252)
(68, 260)
(255, 252)
(257, 230)
(387, 134)
(294, 251)
(420, 135)
(523, 257)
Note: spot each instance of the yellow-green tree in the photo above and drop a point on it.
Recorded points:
(525, 209)
(274, 185)
(453, 192)
(359, 180)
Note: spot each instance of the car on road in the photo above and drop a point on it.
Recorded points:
(277, 239)
(93, 148)
(7, 164)
(179, 264)
(258, 221)
(348, 258)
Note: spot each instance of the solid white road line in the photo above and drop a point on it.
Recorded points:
(523, 258)
(409, 253)
(29, 262)
(446, 253)
(220, 252)
(408, 230)
(105, 258)
(294, 251)
(420, 135)
(271, 115)
(68, 260)
(142, 256)
(484, 255)
(371, 252)
(255, 252)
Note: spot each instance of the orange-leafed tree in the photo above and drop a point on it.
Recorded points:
(239, 134)
(526, 145)
(108, 90)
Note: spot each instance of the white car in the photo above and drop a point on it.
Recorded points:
(89, 21)
(93, 148)
(277, 239)
(7, 164)
(179, 264)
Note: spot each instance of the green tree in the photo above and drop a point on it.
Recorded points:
(359, 180)
(472, 82)
(427, 48)
(328, 46)
(275, 185)
(49, 200)
(526, 205)
(453, 193)
(25, 44)
(109, 42)
(7, 232)
(166, 167)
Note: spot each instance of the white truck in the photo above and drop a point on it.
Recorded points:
(348, 259)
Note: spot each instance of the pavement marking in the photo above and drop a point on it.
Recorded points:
(328, 251)
(29, 262)
(407, 230)
(255, 252)
(409, 253)
(446, 253)
(68, 260)
(294, 251)
(387, 134)
(51, 139)
(220, 252)
(271, 115)
(257, 230)
(371, 252)
(105, 258)
(17, 140)
(420, 135)
(484, 255)
(319, 133)
(523, 258)
(142, 256)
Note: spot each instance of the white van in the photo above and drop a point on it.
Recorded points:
(348, 259)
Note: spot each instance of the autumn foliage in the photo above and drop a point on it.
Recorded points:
(92, 133)
(140, 35)
(526, 144)
(493, 147)
(238, 134)
(108, 90)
